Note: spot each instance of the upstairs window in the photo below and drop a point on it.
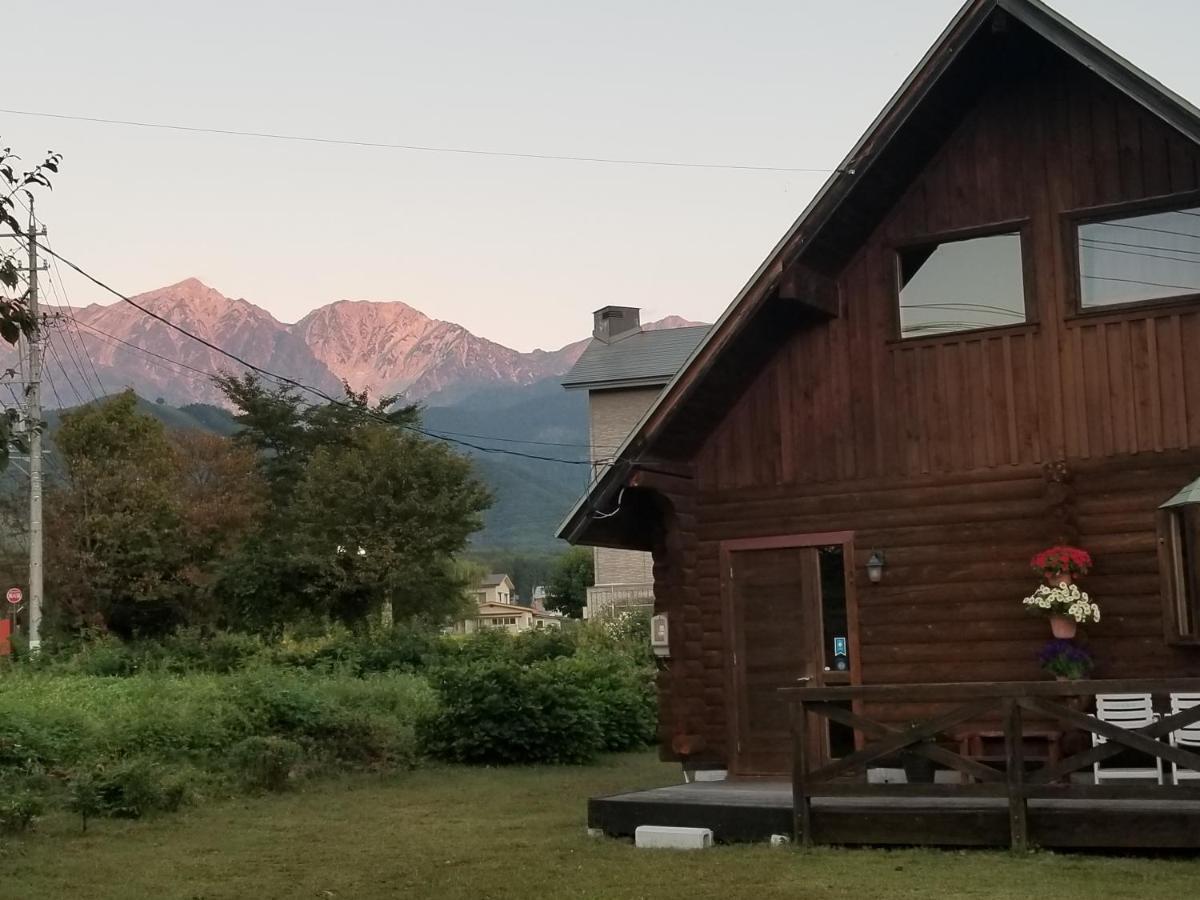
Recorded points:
(961, 285)
(1139, 258)
(1179, 562)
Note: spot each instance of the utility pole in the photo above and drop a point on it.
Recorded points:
(33, 423)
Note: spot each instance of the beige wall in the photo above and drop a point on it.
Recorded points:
(613, 414)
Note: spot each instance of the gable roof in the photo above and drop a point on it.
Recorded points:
(640, 359)
(853, 176)
(493, 579)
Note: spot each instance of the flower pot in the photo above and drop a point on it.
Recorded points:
(1060, 578)
(1063, 627)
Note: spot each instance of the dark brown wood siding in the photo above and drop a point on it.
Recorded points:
(847, 401)
(961, 455)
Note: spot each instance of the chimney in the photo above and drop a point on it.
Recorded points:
(614, 322)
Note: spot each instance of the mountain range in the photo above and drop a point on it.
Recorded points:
(468, 385)
(385, 347)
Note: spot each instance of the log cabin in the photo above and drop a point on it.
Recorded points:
(981, 338)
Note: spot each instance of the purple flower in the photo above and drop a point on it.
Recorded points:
(1063, 657)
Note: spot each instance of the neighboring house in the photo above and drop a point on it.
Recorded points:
(981, 338)
(498, 608)
(495, 588)
(623, 370)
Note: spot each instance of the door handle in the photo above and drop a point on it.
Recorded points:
(804, 679)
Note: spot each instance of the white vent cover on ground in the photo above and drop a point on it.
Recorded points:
(670, 837)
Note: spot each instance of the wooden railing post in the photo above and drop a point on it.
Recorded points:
(1014, 756)
(801, 804)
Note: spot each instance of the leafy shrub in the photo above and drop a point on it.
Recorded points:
(264, 762)
(20, 805)
(499, 712)
(128, 789)
(623, 695)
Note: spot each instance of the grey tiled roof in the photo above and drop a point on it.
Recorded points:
(642, 358)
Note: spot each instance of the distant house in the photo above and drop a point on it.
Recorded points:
(498, 608)
(624, 369)
(495, 589)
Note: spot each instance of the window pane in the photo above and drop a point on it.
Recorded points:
(1140, 258)
(833, 608)
(961, 285)
(1189, 534)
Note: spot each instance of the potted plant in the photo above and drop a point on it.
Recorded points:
(1061, 564)
(1065, 605)
(1065, 660)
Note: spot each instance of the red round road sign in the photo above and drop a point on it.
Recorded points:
(14, 596)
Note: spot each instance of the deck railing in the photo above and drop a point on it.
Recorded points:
(1044, 700)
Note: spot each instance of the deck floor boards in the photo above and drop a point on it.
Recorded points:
(754, 810)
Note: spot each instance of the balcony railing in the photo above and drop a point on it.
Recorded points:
(965, 703)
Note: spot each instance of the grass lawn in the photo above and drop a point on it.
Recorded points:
(459, 833)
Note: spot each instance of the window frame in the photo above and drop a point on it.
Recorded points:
(1072, 219)
(1021, 227)
(1177, 586)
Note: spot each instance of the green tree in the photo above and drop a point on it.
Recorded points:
(116, 551)
(15, 317)
(351, 475)
(383, 515)
(572, 575)
(286, 428)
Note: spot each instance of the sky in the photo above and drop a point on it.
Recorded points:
(520, 251)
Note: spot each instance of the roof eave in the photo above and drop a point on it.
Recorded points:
(616, 383)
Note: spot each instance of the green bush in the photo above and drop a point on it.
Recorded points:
(623, 695)
(20, 805)
(128, 789)
(499, 712)
(265, 762)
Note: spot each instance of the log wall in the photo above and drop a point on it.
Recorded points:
(961, 455)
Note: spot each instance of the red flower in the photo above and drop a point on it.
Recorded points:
(1057, 560)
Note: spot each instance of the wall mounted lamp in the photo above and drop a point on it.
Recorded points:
(875, 566)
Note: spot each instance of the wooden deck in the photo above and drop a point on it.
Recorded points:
(1016, 801)
(740, 811)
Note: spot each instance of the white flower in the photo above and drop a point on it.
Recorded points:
(1063, 600)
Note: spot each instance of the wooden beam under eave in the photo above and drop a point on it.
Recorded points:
(808, 288)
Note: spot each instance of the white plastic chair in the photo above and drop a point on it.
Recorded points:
(1128, 711)
(1187, 737)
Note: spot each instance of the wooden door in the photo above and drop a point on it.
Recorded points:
(776, 611)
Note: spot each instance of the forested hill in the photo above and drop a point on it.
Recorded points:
(531, 496)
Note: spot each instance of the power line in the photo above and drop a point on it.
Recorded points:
(1182, 287)
(66, 300)
(1194, 237)
(209, 376)
(1091, 240)
(62, 369)
(68, 346)
(1193, 262)
(418, 148)
(301, 386)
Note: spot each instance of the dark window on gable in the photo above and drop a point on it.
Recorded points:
(1138, 258)
(1179, 534)
(961, 285)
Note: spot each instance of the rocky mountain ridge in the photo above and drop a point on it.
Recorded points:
(387, 347)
